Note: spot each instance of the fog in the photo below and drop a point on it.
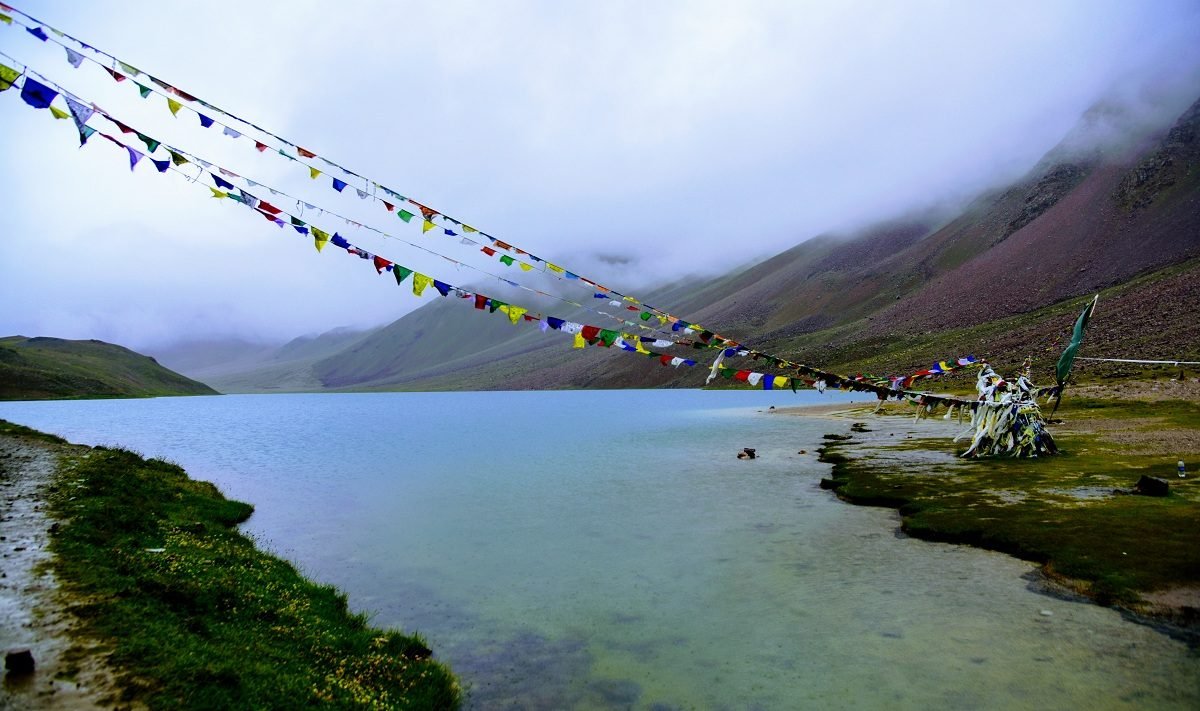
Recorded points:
(633, 143)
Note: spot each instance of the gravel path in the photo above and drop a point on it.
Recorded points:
(33, 612)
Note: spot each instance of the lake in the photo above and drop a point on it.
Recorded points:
(607, 550)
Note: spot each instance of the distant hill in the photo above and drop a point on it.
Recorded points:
(1002, 278)
(53, 368)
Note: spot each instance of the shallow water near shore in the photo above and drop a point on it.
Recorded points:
(607, 550)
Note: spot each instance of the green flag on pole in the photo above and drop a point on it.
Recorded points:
(1067, 359)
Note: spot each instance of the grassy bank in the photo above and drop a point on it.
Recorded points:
(196, 616)
(1059, 511)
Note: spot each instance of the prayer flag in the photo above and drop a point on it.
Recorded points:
(338, 185)
(400, 273)
(339, 241)
(58, 113)
(381, 264)
(515, 313)
(134, 157)
(115, 74)
(442, 287)
(176, 158)
(305, 152)
(143, 90)
(508, 261)
(37, 32)
(426, 226)
(420, 281)
(8, 76)
(320, 237)
(162, 165)
(151, 144)
(405, 215)
(205, 121)
(260, 147)
(1062, 369)
(73, 57)
(36, 94)
(313, 173)
(174, 106)
(217, 193)
(579, 341)
(221, 182)
(231, 133)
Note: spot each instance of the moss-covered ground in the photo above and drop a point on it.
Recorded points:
(195, 616)
(1062, 511)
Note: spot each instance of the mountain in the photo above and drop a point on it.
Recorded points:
(1001, 278)
(53, 368)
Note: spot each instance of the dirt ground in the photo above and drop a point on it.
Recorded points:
(33, 611)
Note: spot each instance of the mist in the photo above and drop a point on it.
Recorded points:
(633, 143)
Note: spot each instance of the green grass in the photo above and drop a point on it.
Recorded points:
(1112, 547)
(209, 621)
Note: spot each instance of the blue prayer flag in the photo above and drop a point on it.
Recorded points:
(36, 94)
(338, 185)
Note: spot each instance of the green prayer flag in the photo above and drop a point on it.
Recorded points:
(507, 260)
(401, 273)
(177, 159)
(609, 337)
(646, 316)
(129, 68)
(143, 90)
(8, 75)
(405, 215)
(1067, 359)
(493, 304)
(151, 144)
(297, 221)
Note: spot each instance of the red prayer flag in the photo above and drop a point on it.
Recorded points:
(488, 251)
(381, 264)
(480, 301)
(590, 332)
(428, 213)
(742, 375)
(268, 207)
(664, 359)
(260, 147)
(305, 152)
(389, 206)
(115, 74)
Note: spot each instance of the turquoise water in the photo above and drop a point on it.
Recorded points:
(607, 550)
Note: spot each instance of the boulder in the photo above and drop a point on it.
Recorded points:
(1151, 486)
(19, 662)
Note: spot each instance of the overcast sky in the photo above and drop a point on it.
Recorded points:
(633, 142)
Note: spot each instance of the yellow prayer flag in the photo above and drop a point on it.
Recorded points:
(174, 106)
(780, 382)
(420, 281)
(320, 237)
(58, 113)
(554, 268)
(217, 193)
(313, 172)
(525, 266)
(631, 300)
(515, 312)
(579, 342)
(6, 19)
(427, 226)
(468, 228)
(662, 320)
(637, 342)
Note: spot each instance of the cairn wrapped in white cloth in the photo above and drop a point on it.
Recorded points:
(1006, 419)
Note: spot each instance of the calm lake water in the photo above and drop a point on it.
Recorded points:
(606, 550)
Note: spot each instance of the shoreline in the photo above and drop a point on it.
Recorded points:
(135, 589)
(889, 460)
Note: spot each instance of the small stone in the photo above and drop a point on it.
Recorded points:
(1046, 613)
(19, 662)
